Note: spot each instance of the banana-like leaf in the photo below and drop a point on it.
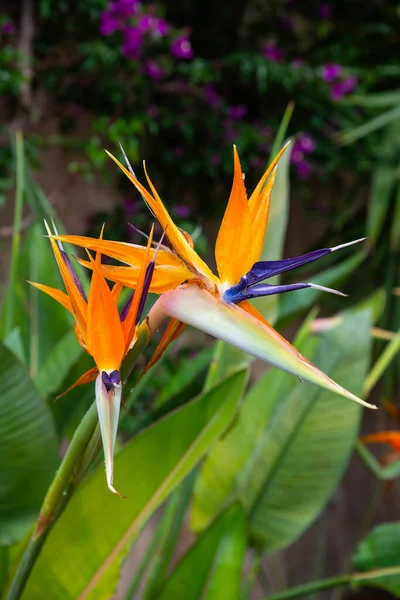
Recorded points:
(290, 444)
(54, 369)
(380, 549)
(211, 569)
(28, 449)
(97, 527)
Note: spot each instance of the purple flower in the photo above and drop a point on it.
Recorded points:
(325, 10)
(211, 96)
(331, 72)
(154, 71)
(303, 169)
(132, 43)
(236, 113)
(8, 28)
(161, 27)
(304, 143)
(123, 9)
(182, 211)
(181, 47)
(271, 52)
(108, 23)
(343, 87)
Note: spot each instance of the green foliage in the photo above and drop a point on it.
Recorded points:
(381, 549)
(290, 444)
(28, 449)
(97, 527)
(212, 568)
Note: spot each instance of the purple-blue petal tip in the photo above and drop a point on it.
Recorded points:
(111, 380)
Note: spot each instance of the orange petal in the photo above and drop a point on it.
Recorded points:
(177, 239)
(232, 250)
(58, 295)
(131, 254)
(129, 323)
(164, 278)
(384, 437)
(173, 331)
(78, 304)
(85, 378)
(105, 339)
(259, 203)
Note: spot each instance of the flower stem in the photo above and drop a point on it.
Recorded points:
(54, 502)
(301, 591)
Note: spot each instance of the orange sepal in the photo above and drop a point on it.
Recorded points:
(392, 438)
(172, 332)
(85, 378)
(164, 278)
(78, 304)
(57, 295)
(173, 232)
(129, 323)
(105, 340)
(232, 249)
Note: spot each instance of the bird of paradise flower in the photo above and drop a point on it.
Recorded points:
(103, 332)
(219, 305)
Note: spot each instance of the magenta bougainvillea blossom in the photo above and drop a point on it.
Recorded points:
(343, 87)
(330, 72)
(272, 52)
(181, 47)
(8, 28)
(303, 146)
(138, 24)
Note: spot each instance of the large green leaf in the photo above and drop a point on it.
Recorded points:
(290, 444)
(211, 569)
(28, 449)
(97, 527)
(54, 369)
(380, 549)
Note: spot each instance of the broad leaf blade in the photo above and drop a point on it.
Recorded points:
(290, 444)
(211, 569)
(380, 549)
(28, 449)
(97, 527)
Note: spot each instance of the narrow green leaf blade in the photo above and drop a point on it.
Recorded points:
(28, 449)
(97, 527)
(380, 549)
(211, 569)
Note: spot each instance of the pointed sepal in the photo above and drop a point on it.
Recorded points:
(230, 323)
(108, 402)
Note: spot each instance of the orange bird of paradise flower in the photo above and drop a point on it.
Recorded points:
(219, 305)
(103, 332)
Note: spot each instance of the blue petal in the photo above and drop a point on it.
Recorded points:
(268, 268)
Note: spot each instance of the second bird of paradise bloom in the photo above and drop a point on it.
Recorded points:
(219, 305)
(103, 332)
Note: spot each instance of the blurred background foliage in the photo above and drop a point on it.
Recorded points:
(178, 84)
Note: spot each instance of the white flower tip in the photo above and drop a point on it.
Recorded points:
(114, 491)
(348, 244)
(326, 289)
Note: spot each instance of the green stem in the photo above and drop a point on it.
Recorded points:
(310, 588)
(54, 498)
(301, 591)
(9, 303)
